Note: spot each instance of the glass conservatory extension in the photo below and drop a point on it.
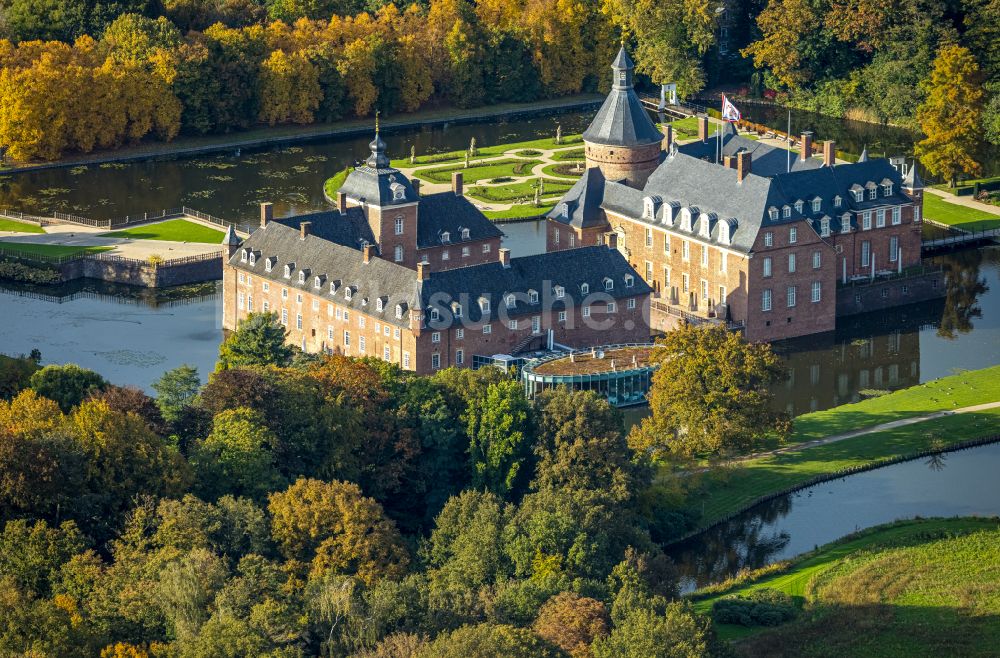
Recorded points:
(621, 374)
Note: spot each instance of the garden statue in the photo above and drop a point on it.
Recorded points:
(413, 154)
(558, 133)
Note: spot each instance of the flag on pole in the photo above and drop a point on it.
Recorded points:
(729, 111)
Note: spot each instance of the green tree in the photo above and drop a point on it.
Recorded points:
(710, 396)
(951, 115)
(466, 548)
(237, 457)
(44, 20)
(500, 429)
(185, 589)
(31, 554)
(259, 340)
(337, 529)
(488, 641)
(645, 632)
(67, 385)
(176, 390)
(15, 374)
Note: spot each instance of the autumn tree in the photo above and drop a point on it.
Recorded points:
(289, 89)
(237, 457)
(259, 340)
(67, 385)
(572, 623)
(951, 115)
(337, 529)
(488, 641)
(710, 396)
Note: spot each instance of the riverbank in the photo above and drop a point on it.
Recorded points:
(725, 490)
(276, 135)
(907, 579)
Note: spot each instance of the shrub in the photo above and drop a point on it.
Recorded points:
(760, 607)
(13, 271)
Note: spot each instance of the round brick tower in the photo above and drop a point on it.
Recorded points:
(622, 140)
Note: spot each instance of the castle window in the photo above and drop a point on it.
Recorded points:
(445, 237)
(510, 301)
(629, 281)
(288, 271)
(399, 226)
(837, 201)
(609, 284)
(817, 204)
(533, 296)
(465, 234)
(786, 212)
(584, 288)
(798, 206)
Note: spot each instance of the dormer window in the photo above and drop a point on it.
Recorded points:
(457, 308)
(837, 201)
(435, 314)
(887, 189)
(445, 237)
(465, 234)
(845, 223)
(268, 264)
(510, 301)
(288, 270)
(560, 292)
(629, 281)
(302, 277)
(533, 296)
(585, 288)
(484, 305)
(817, 204)
(685, 219)
(253, 258)
(726, 231)
(706, 225)
(772, 213)
(349, 293)
(399, 311)
(824, 227)
(244, 256)
(608, 284)
(379, 305)
(798, 206)
(398, 192)
(317, 282)
(786, 212)
(564, 210)
(333, 286)
(649, 207)
(669, 213)
(859, 194)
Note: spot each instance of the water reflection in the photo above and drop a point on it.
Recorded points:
(965, 285)
(790, 525)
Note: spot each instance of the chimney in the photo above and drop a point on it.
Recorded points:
(505, 257)
(703, 128)
(423, 271)
(416, 186)
(668, 136)
(612, 240)
(729, 161)
(829, 153)
(742, 165)
(266, 214)
(807, 145)
(368, 252)
(304, 228)
(456, 183)
(342, 202)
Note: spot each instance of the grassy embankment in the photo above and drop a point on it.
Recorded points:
(19, 227)
(174, 230)
(913, 588)
(961, 217)
(725, 491)
(46, 252)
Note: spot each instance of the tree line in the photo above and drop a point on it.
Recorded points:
(297, 505)
(210, 67)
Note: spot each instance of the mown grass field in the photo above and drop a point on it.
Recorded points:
(488, 151)
(914, 588)
(475, 172)
(175, 230)
(517, 191)
(19, 227)
(724, 491)
(50, 250)
(960, 217)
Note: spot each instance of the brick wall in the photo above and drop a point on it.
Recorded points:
(850, 247)
(879, 295)
(560, 236)
(459, 254)
(634, 164)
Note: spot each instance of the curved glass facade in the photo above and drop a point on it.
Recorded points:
(621, 387)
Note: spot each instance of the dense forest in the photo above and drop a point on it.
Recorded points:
(298, 505)
(82, 74)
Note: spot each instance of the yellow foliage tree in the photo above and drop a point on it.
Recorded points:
(290, 90)
(781, 24)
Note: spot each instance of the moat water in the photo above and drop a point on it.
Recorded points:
(960, 483)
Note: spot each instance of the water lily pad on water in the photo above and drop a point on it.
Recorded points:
(221, 179)
(113, 165)
(131, 358)
(76, 171)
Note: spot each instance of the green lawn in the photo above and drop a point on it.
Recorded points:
(962, 184)
(19, 227)
(484, 170)
(518, 212)
(335, 182)
(488, 151)
(517, 191)
(571, 155)
(960, 217)
(687, 128)
(47, 251)
(176, 230)
(927, 587)
(564, 169)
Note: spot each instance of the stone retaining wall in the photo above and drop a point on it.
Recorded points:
(880, 295)
(136, 273)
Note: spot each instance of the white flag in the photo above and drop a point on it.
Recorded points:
(729, 111)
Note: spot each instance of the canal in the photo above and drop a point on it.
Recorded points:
(960, 483)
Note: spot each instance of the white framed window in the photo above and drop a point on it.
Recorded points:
(791, 263)
(897, 215)
(880, 217)
(649, 271)
(766, 269)
(560, 292)
(459, 357)
(824, 227)
(723, 261)
(769, 239)
(666, 243)
(817, 291)
(459, 334)
(631, 303)
(347, 339)
(611, 307)
(555, 236)
(722, 294)
(465, 252)
(765, 299)
(445, 255)
(798, 206)
(397, 253)
(609, 284)
(387, 353)
(435, 361)
(649, 237)
(302, 276)
(866, 220)
(536, 324)
(793, 235)
(562, 316)
(399, 225)
(361, 321)
(866, 253)
(887, 189)
(845, 223)
(486, 248)
(329, 332)
(250, 302)
(704, 290)
(584, 288)
(395, 333)
(340, 314)
(572, 239)
(859, 195)
(586, 311)
(685, 282)
(362, 344)
(315, 305)
(347, 315)
(465, 234)
(817, 260)
(436, 337)
(406, 360)
(790, 296)
(916, 214)
(243, 257)
(510, 301)
(298, 320)
(284, 293)
(893, 248)
(872, 193)
(629, 281)
(284, 316)
(239, 300)
(458, 310)
(786, 211)
(773, 213)
(817, 204)
(685, 250)
(512, 325)
(241, 278)
(445, 237)
(666, 277)
(484, 305)
(487, 329)
(704, 255)
(533, 296)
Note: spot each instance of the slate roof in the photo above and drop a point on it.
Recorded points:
(912, 179)
(345, 268)
(766, 160)
(622, 120)
(580, 206)
(447, 211)
(378, 186)
(349, 229)
(569, 269)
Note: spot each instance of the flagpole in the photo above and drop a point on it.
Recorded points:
(788, 141)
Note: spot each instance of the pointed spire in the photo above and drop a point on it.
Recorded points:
(378, 159)
(231, 238)
(864, 155)
(623, 68)
(912, 180)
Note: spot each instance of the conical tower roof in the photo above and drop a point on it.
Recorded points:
(622, 120)
(864, 155)
(912, 180)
